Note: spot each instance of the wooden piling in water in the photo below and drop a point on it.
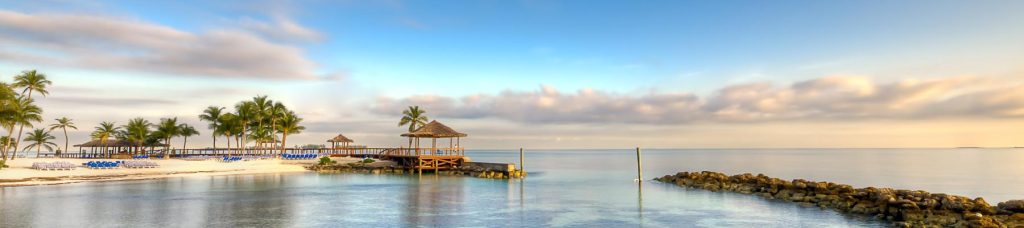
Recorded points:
(639, 166)
(521, 166)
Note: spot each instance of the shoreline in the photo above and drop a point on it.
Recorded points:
(904, 208)
(21, 174)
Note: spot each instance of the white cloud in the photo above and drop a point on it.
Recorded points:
(112, 43)
(845, 97)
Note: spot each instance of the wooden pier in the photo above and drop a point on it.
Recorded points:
(415, 156)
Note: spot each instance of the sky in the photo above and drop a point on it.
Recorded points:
(543, 74)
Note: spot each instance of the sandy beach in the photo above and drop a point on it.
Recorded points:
(20, 172)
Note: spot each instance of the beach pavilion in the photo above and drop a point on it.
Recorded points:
(340, 141)
(113, 146)
(433, 131)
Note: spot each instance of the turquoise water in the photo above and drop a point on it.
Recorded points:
(592, 188)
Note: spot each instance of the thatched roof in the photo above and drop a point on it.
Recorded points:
(112, 143)
(340, 138)
(434, 129)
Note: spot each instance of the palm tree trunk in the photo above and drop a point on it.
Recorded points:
(18, 141)
(65, 140)
(284, 139)
(38, 150)
(167, 148)
(273, 133)
(7, 144)
(228, 139)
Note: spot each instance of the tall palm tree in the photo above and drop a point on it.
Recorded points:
(245, 112)
(63, 123)
(186, 131)
(40, 138)
(276, 112)
(228, 127)
(167, 129)
(289, 124)
(30, 81)
(104, 132)
(136, 132)
(260, 110)
(415, 118)
(24, 113)
(212, 114)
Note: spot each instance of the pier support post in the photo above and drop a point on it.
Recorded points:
(639, 166)
(522, 167)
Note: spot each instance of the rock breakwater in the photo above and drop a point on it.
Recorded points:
(905, 208)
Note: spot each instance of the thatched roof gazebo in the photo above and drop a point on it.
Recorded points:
(114, 146)
(340, 139)
(435, 130)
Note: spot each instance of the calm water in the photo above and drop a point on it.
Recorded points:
(565, 189)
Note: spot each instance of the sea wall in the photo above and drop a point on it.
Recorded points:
(905, 208)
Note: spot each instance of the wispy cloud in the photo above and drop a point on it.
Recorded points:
(115, 43)
(836, 97)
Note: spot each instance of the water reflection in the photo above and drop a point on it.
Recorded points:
(564, 189)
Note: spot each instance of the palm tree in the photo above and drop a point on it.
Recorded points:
(186, 131)
(228, 127)
(136, 132)
(30, 81)
(40, 138)
(64, 123)
(212, 114)
(276, 112)
(167, 129)
(260, 110)
(104, 132)
(244, 112)
(289, 124)
(415, 118)
(23, 112)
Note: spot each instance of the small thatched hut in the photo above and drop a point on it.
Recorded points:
(340, 140)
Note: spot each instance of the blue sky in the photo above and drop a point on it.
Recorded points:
(637, 57)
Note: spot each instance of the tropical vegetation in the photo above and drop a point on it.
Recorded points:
(261, 121)
(259, 124)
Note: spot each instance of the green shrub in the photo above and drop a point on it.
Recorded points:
(368, 160)
(326, 161)
(3, 164)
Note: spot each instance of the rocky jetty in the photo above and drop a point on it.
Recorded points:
(905, 208)
(394, 169)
